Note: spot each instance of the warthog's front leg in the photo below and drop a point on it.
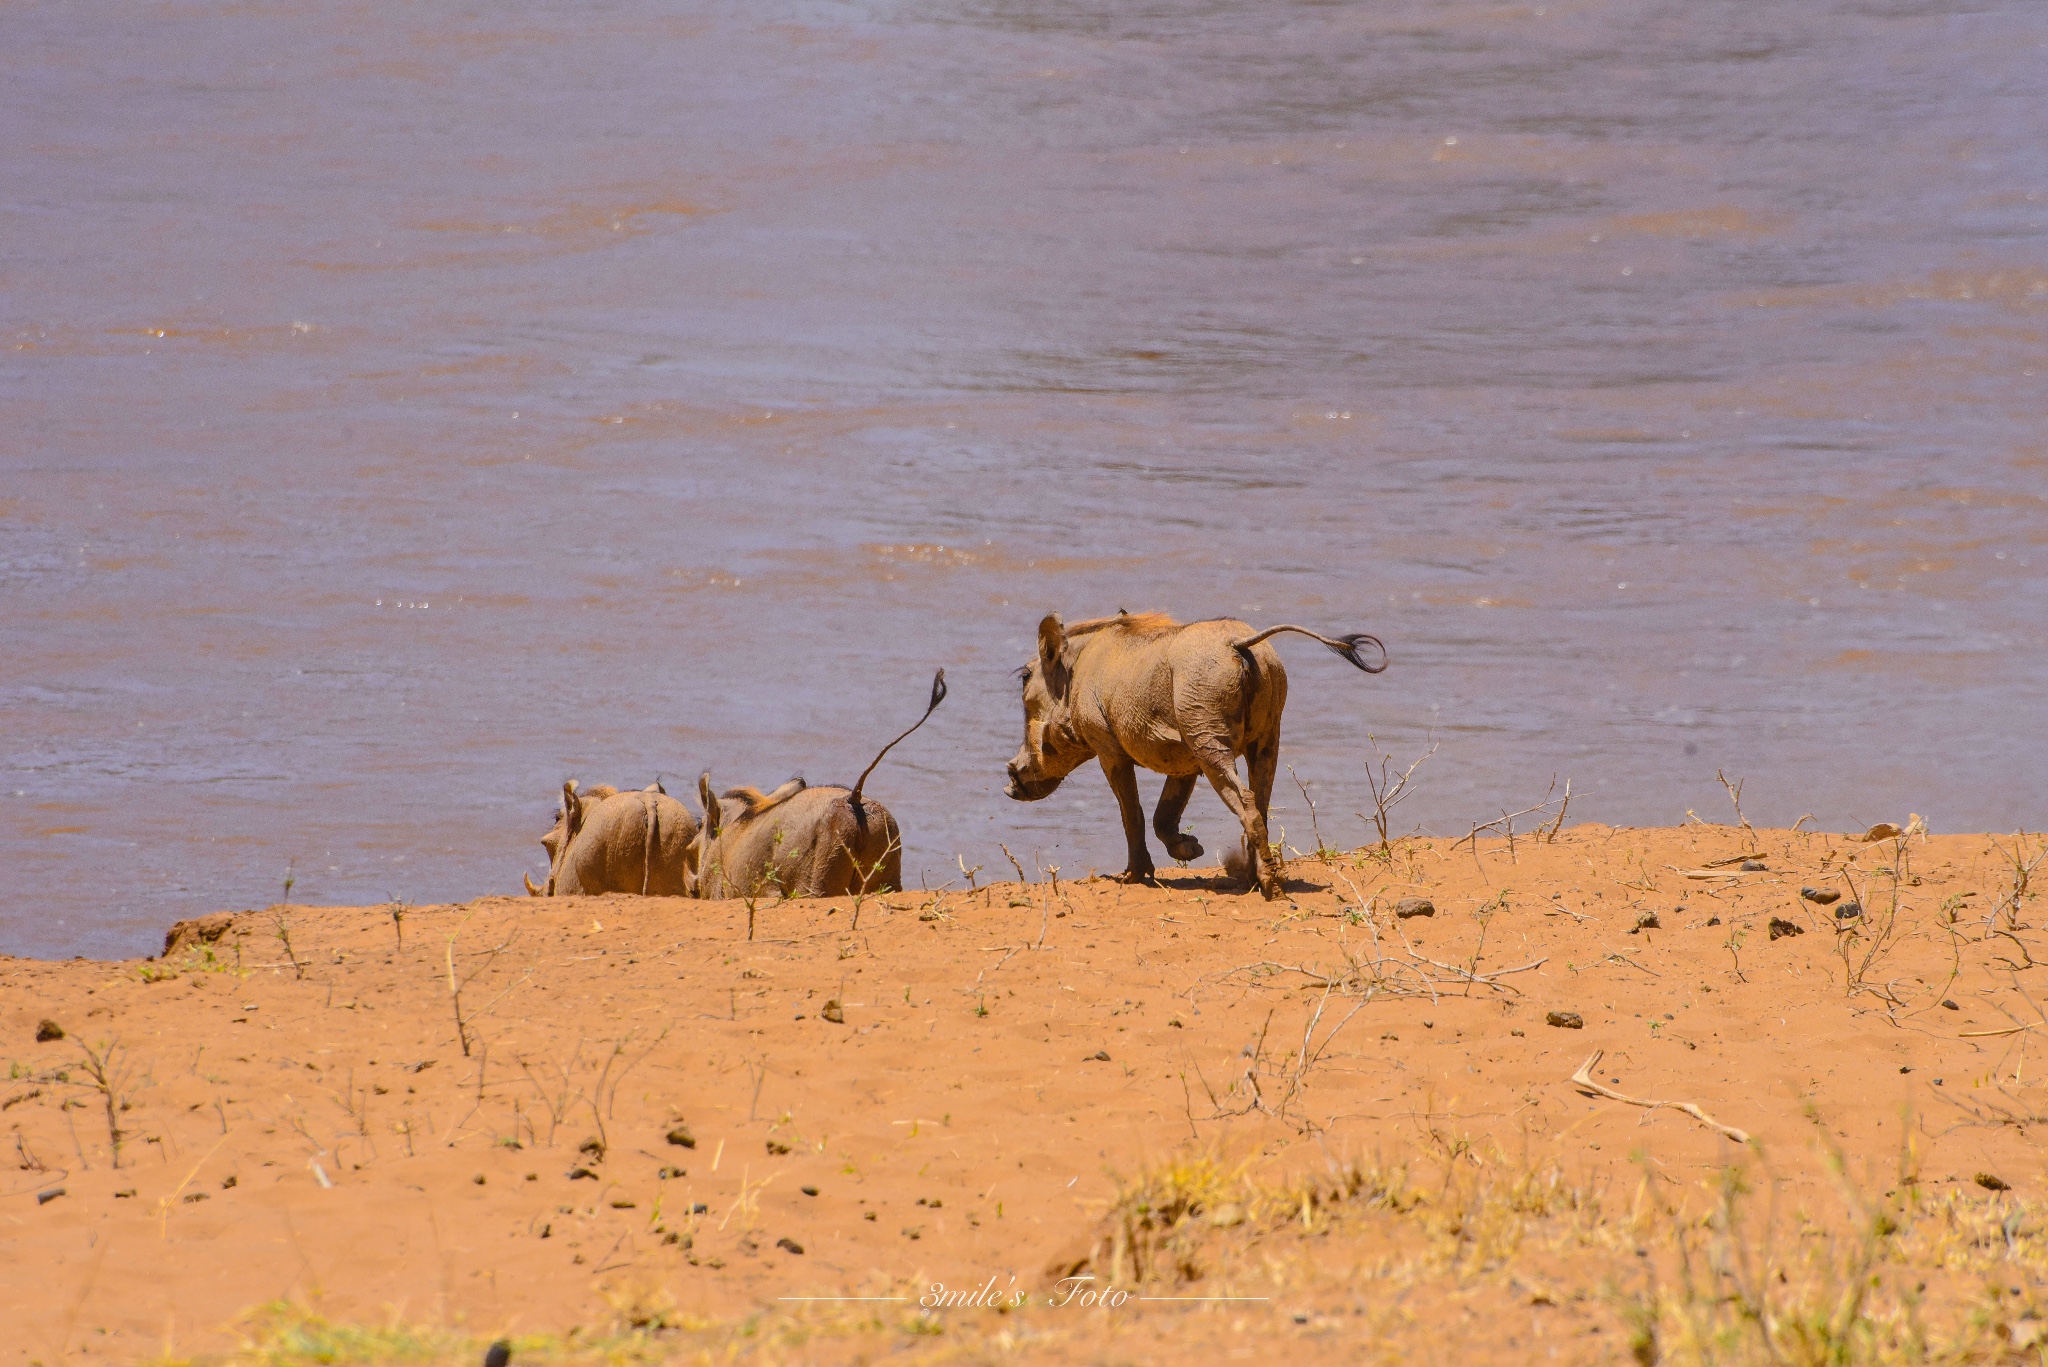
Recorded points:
(1123, 781)
(1173, 802)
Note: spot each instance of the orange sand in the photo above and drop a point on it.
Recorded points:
(1006, 1058)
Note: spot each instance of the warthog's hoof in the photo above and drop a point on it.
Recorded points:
(1185, 848)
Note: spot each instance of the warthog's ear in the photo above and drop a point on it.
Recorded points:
(1052, 648)
(572, 813)
(710, 801)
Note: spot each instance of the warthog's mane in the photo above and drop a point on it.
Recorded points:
(1135, 623)
(759, 802)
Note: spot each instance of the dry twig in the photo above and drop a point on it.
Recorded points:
(1584, 1079)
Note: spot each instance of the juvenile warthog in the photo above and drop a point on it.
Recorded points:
(1184, 701)
(608, 841)
(800, 841)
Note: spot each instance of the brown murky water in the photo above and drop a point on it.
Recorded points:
(405, 407)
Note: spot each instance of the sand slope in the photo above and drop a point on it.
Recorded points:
(1008, 1062)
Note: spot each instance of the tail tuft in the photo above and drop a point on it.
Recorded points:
(1347, 646)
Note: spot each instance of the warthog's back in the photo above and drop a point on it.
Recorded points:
(812, 844)
(630, 842)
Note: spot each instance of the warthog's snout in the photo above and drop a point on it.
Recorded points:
(1029, 789)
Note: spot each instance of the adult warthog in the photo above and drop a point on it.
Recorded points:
(1184, 701)
(608, 841)
(800, 841)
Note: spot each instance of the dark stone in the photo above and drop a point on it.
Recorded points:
(834, 1012)
(1948, 1005)
(1848, 911)
(1753, 866)
(47, 1030)
(1713, 920)
(1099, 1056)
(789, 1245)
(498, 1354)
(592, 1147)
(667, 1173)
(1821, 897)
(777, 1147)
(43, 1198)
(1780, 928)
(682, 1137)
(578, 1174)
(1414, 906)
(808, 1191)
(1565, 1020)
(1991, 1182)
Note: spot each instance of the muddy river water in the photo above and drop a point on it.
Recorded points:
(406, 407)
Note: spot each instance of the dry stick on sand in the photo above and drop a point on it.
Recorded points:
(1505, 823)
(1045, 913)
(1563, 806)
(462, 1021)
(1584, 1079)
(106, 1065)
(1323, 851)
(1388, 789)
(1735, 799)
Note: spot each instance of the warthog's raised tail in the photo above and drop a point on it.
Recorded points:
(938, 696)
(1347, 646)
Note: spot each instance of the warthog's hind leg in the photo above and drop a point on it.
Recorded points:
(1219, 766)
(1173, 803)
(1262, 764)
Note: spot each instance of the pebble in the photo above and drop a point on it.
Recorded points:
(1991, 1182)
(498, 1354)
(682, 1138)
(1820, 896)
(1780, 928)
(1848, 911)
(1948, 1005)
(47, 1030)
(834, 1012)
(1099, 1056)
(790, 1245)
(1414, 906)
(1565, 1020)
(43, 1198)
(808, 1191)
(1753, 866)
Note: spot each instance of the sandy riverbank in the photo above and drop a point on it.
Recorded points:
(654, 1114)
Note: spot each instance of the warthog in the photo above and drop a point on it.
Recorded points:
(608, 841)
(800, 841)
(1184, 701)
